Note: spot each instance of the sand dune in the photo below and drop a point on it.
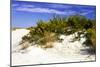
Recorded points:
(65, 51)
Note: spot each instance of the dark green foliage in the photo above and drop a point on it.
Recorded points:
(91, 38)
(88, 25)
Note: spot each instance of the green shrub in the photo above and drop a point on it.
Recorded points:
(91, 38)
(47, 32)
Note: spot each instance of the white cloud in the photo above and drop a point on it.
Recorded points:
(28, 5)
(86, 12)
(40, 10)
(23, 5)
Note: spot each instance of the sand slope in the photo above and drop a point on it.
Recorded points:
(65, 51)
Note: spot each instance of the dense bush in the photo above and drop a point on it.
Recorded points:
(46, 32)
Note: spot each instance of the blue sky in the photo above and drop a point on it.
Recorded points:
(26, 14)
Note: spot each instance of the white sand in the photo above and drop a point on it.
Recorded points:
(65, 51)
(17, 37)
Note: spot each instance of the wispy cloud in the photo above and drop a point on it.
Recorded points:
(41, 10)
(22, 5)
(28, 5)
(86, 12)
(46, 10)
